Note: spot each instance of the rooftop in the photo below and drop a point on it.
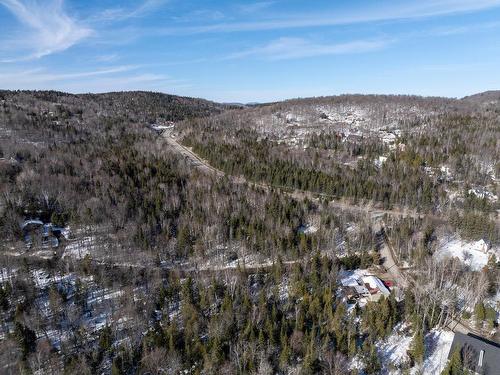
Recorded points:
(478, 354)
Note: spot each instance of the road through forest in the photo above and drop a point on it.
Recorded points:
(204, 165)
(387, 253)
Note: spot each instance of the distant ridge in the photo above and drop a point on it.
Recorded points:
(485, 98)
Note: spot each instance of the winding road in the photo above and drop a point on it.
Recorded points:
(335, 202)
(387, 253)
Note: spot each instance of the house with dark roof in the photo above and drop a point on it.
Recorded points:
(478, 355)
(45, 235)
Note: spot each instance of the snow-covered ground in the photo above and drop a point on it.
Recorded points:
(379, 162)
(291, 125)
(100, 295)
(446, 172)
(483, 193)
(6, 274)
(350, 115)
(79, 248)
(474, 254)
(283, 291)
(98, 300)
(393, 351)
(308, 229)
(438, 344)
(443, 172)
(387, 137)
(494, 302)
(41, 278)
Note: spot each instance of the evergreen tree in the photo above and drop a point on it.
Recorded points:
(26, 339)
(455, 365)
(418, 347)
(372, 362)
(480, 312)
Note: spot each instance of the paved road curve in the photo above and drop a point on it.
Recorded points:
(387, 253)
(335, 202)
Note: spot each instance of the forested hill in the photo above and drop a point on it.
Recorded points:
(141, 104)
(487, 98)
(135, 105)
(426, 152)
(125, 252)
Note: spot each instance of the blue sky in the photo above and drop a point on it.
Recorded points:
(249, 51)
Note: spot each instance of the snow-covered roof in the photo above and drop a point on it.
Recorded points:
(31, 222)
(357, 279)
(375, 283)
(351, 280)
(360, 289)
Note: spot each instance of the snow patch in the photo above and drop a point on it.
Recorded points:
(393, 351)
(7, 274)
(474, 254)
(380, 161)
(78, 249)
(438, 344)
(308, 229)
(482, 193)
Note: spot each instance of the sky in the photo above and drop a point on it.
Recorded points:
(252, 51)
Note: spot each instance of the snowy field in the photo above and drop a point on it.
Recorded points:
(79, 248)
(393, 351)
(474, 254)
(437, 344)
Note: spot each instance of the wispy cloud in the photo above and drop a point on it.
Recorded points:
(455, 67)
(40, 76)
(122, 14)
(116, 78)
(200, 15)
(457, 30)
(296, 48)
(407, 11)
(107, 58)
(255, 7)
(49, 29)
